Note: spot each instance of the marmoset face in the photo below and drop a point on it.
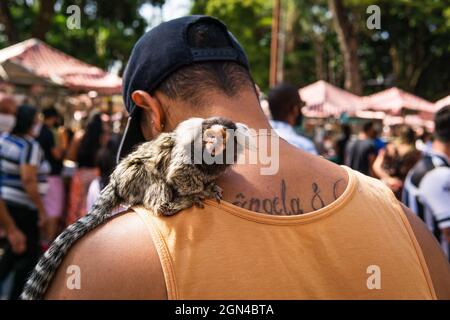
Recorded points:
(217, 135)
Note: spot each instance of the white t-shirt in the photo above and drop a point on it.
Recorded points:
(434, 192)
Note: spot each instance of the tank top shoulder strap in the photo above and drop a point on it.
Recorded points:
(163, 252)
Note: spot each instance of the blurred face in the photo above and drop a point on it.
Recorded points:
(51, 122)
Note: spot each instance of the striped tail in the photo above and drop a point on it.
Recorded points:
(45, 269)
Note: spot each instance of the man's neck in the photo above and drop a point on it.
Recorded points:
(363, 136)
(443, 148)
(245, 109)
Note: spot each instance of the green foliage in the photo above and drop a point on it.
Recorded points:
(250, 22)
(411, 50)
(108, 30)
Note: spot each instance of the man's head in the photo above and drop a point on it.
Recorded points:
(27, 119)
(51, 116)
(442, 125)
(407, 135)
(177, 71)
(285, 104)
(369, 130)
(346, 130)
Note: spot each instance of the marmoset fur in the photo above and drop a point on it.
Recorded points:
(163, 175)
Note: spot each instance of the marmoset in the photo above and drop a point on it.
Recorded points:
(163, 175)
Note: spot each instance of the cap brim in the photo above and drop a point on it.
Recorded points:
(132, 136)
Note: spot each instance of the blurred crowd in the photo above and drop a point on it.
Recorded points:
(50, 175)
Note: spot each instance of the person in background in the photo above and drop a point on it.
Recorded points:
(83, 150)
(23, 171)
(378, 141)
(15, 237)
(7, 112)
(286, 109)
(341, 143)
(54, 153)
(427, 186)
(361, 152)
(106, 162)
(424, 141)
(8, 229)
(394, 162)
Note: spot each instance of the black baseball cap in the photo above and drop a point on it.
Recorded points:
(160, 52)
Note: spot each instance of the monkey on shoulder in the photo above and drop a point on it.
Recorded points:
(177, 169)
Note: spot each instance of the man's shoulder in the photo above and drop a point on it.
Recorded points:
(436, 262)
(117, 260)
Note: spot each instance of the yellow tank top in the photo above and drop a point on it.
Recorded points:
(361, 246)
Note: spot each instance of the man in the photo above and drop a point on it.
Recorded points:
(361, 152)
(341, 143)
(54, 198)
(285, 107)
(329, 225)
(427, 186)
(16, 239)
(22, 173)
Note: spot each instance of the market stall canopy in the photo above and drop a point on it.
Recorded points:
(395, 100)
(442, 102)
(33, 62)
(410, 120)
(325, 100)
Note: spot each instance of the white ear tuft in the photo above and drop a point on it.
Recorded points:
(244, 137)
(188, 130)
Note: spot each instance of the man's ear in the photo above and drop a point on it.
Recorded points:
(151, 107)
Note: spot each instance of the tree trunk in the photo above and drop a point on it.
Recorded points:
(319, 59)
(348, 45)
(44, 18)
(274, 44)
(6, 20)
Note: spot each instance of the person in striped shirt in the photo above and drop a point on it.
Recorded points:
(23, 171)
(427, 185)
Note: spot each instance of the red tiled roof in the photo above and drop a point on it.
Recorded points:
(58, 68)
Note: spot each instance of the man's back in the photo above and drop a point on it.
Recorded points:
(224, 251)
(358, 152)
(342, 251)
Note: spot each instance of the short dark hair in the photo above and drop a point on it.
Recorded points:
(192, 83)
(50, 113)
(346, 129)
(24, 119)
(282, 99)
(442, 124)
(407, 135)
(367, 126)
